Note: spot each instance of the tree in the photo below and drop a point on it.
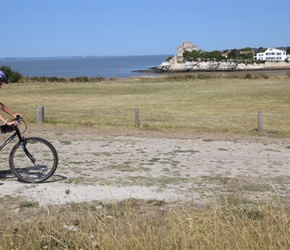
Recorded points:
(261, 49)
(246, 49)
(288, 51)
(213, 55)
(233, 54)
(191, 56)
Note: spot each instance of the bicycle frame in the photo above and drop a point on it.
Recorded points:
(10, 139)
(22, 143)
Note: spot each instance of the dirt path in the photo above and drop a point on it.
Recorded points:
(114, 165)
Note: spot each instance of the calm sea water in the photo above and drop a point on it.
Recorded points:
(108, 66)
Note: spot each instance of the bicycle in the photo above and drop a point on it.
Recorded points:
(31, 159)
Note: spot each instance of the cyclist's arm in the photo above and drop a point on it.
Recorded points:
(7, 110)
(6, 121)
(2, 119)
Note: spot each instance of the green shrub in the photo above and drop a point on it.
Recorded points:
(264, 76)
(79, 79)
(199, 76)
(13, 76)
(260, 61)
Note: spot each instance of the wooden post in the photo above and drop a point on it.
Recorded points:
(137, 121)
(40, 114)
(260, 121)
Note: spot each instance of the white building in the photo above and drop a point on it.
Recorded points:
(271, 54)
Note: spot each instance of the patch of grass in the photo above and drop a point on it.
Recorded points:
(122, 167)
(154, 160)
(207, 140)
(186, 151)
(28, 204)
(180, 103)
(235, 200)
(102, 153)
(272, 150)
(66, 142)
(222, 149)
(76, 163)
(160, 182)
(264, 76)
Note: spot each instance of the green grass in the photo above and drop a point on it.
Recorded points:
(188, 104)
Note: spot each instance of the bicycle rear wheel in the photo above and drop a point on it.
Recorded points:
(37, 163)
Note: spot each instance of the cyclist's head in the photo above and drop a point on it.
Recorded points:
(3, 77)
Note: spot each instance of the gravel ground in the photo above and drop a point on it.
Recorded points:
(110, 165)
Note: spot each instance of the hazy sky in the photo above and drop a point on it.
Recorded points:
(42, 28)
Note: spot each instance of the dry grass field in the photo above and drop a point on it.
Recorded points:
(195, 175)
(197, 103)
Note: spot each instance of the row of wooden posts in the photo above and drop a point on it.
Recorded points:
(260, 120)
(40, 113)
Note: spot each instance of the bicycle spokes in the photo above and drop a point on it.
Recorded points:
(33, 160)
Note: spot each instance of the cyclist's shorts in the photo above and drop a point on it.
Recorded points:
(6, 129)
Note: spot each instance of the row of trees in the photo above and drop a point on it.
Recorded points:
(244, 54)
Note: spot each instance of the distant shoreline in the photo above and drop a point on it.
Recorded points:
(273, 71)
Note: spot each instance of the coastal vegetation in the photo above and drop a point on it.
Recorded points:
(15, 76)
(242, 54)
(12, 75)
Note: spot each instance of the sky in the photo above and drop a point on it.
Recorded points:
(56, 28)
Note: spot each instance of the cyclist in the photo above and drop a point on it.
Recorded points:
(3, 78)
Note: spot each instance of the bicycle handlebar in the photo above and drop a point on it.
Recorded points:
(17, 118)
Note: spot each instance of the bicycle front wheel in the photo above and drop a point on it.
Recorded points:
(34, 160)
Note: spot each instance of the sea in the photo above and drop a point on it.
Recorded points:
(84, 66)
